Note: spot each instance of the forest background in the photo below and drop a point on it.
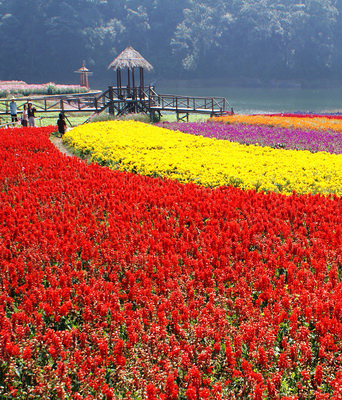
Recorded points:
(245, 42)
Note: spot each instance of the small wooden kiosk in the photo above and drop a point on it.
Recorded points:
(131, 60)
(84, 73)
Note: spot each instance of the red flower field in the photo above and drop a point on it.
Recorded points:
(119, 286)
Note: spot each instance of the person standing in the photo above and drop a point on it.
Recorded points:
(13, 110)
(24, 117)
(30, 113)
(61, 124)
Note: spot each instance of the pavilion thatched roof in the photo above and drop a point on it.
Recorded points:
(130, 58)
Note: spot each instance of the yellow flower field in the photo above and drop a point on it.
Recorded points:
(154, 151)
(320, 124)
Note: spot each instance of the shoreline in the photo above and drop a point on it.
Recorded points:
(251, 83)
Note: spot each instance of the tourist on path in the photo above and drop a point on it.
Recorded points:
(13, 110)
(30, 113)
(61, 124)
(24, 117)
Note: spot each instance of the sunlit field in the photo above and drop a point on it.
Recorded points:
(178, 261)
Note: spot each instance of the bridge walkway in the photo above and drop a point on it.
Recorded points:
(120, 101)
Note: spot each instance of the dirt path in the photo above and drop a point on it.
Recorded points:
(58, 142)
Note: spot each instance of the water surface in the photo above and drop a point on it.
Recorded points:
(272, 100)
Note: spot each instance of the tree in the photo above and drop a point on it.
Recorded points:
(196, 35)
(23, 37)
(49, 39)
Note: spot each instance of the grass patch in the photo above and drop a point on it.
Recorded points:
(78, 118)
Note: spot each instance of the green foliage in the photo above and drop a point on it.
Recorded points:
(172, 117)
(48, 39)
(127, 117)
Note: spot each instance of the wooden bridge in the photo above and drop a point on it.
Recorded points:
(123, 100)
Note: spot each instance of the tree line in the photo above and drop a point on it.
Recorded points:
(44, 40)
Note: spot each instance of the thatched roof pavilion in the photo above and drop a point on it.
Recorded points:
(130, 59)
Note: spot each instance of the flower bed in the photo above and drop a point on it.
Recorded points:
(25, 89)
(150, 150)
(115, 285)
(275, 137)
(306, 123)
(300, 115)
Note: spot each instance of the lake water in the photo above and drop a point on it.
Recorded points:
(269, 100)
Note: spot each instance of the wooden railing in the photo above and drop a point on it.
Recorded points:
(188, 103)
(77, 102)
(120, 100)
(128, 93)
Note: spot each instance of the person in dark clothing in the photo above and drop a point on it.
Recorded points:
(30, 113)
(61, 124)
(24, 118)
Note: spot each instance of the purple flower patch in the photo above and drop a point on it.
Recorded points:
(275, 137)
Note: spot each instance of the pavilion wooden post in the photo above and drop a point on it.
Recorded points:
(111, 100)
(141, 82)
(128, 82)
(133, 83)
(118, 81)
